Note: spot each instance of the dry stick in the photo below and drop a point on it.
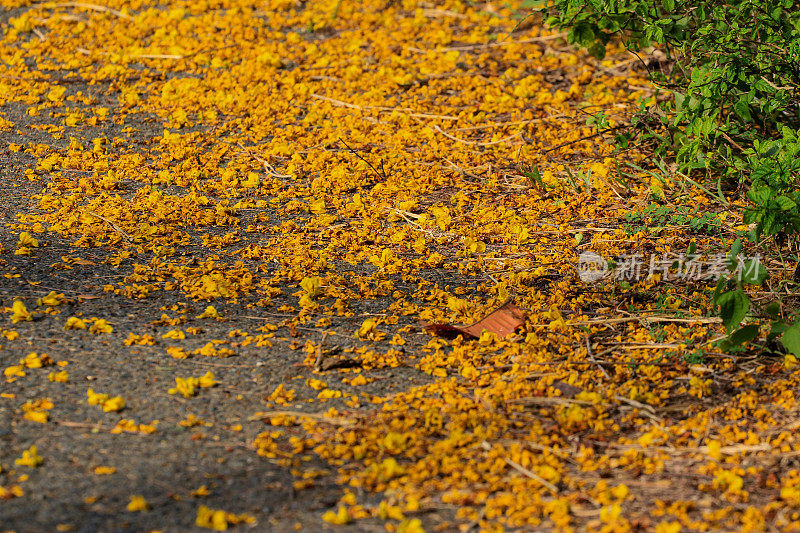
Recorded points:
(489, 45)
(410, 218)
(93, 7)
(336, 102)
(734, 143)
(601, 321)
(269, 169)
(206, 363)
(425, 115)
(663, 346)
(500, 368)
(515, 123)
(431, 13)
(463, 171)
(320, 353)
(648, 409)
(593, 360)
(68, 18)
(380, 175)
(557, 400)
(475, 143)
(111, 224)
(519, 468)
(405, 110)
(156, 56)
(725, 450)
(300, 414)
(592, 136)
(517, 25)
(67, 423)
(548, 400)
(278, 315)
(348, 336)
(630, 363)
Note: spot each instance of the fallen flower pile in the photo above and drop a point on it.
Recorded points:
(301, 189)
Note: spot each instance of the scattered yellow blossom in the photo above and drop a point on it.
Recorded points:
(201, 492)
(30, 458)
(129, 426)
(176, 352)
(339, 517)
(37, 410)
(219, 520)
(187, 387)
(26, 240)
(101, 326)
(58, 377)
(138, 503)
(103, 400)
(52, 299)
(316, 384)
(139, 340)
(20, 313)
(210, 312)
(14, 491)
(74, 322)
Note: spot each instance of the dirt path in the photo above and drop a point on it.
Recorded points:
(227, 225)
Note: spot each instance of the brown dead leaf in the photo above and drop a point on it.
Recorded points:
(502, 321)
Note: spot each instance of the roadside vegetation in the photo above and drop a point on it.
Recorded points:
(728, 122)
(249, 237)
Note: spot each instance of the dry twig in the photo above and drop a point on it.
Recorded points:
(84, 5)
(519, 468)
(111, 225)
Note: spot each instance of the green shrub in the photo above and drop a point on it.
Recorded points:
(733, 69)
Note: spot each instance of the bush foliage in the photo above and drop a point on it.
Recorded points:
(733, 70)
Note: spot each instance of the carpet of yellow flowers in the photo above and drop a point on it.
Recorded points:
(303, 186)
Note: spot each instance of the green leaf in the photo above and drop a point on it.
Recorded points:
(785, 203)
(655, 34)
(719, 290)
(734, 306)
(791, 339)
(771, 148)
(754, 272)
(743, 110)
(581, 34)
(744, 334)
(773, 310)
(736, 249)
(535, 177)
(777, 328)
(597, 50)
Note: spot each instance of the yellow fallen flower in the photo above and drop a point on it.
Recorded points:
(20, 313)
(74, 322)
(30, 458)
(52, 299)
(101, 326)
(187, 387)
(105, 401)
(210, 312)
(219, 520)
(138, 503)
